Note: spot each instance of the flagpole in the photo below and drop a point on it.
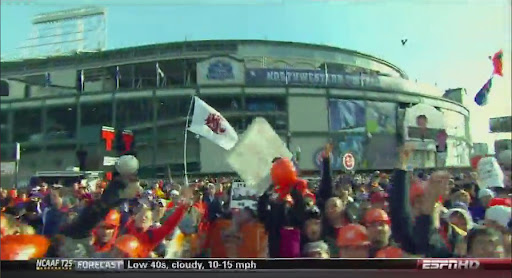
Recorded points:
(185, 143)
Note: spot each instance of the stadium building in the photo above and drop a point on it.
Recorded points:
(310, 94)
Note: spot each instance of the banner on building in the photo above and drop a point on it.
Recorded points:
(220, 70)
(304, 77)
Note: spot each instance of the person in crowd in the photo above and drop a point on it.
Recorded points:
(312, 230)
(149, 238)
(378, 200)
(478, 207)
(53, 217)
(460, 219)
(500, 219)
(378, 228)
(316, 249)
(353, 241)
(106, 233)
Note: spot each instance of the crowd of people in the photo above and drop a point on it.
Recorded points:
(397, 215)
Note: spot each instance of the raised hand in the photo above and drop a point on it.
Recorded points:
(327, 149)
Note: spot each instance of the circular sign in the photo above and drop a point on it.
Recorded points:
(349, 161)
(318, 158)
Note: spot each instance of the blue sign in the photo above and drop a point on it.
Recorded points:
(301, 77)
(220, 70)
(318, 158)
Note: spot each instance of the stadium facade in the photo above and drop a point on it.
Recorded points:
(310, 94)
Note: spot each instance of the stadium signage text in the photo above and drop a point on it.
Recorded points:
(220, 70)
(309, 78)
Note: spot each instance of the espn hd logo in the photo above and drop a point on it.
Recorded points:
(456, 264)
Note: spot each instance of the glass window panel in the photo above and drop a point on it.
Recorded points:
(172, 107)
(96, 114)
(60, 123)
(346, 114)
(224, 103)
(131, 112)
(266, 103)
(27, 125)
(381, 117)
(4, 125)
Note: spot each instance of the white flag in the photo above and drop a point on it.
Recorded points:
(210, 124)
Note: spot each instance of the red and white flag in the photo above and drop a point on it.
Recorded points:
(210, 124)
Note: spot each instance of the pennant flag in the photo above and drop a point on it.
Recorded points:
(47, 80)
(210, 124)
(286, 74)
(481, 96)
(159, 74)
(118, 77)
(81, 81)
(326, 75)
(497, 62)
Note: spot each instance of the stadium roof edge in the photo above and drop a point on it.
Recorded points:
(184, 43)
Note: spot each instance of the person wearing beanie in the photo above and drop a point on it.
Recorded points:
(316, 249)
(312, 228)
(500, 219)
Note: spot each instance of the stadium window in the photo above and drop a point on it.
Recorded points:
(132, 112)
(61, 123)
(170, 108)
(27, 125)
(4, 88)
(28, 91)
(96, 114)
(4, 125)
(266, 103)
(224, 103)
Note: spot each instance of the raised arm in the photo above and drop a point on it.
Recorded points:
(325, 190)
(399, 203)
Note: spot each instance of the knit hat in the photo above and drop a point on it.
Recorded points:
(485, 192)
(313, 213)
(499, 214)
(316, 246)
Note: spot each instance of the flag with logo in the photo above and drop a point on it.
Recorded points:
(482, 95)
(210, 124)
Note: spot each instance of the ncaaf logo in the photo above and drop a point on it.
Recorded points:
(54, 264)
